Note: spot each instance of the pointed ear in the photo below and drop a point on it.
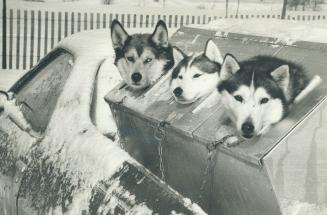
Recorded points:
(212, 52)
(118, 34)
(160, 34)
(230, 67)
(178, 55)
(282, 77)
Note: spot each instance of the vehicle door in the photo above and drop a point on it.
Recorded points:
(25, 111)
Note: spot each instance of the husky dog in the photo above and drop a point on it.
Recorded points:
(141, 58)
(258, 92)
(196, 76)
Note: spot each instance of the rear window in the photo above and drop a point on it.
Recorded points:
(39, 89)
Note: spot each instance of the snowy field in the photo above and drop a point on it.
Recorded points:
(245, 5)
(193, 4)
(287, 31)
(200, 4)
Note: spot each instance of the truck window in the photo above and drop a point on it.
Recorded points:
(39, 89)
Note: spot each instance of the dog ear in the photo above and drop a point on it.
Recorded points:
(178, 55)
(160, 34)
(282, 77)
(212, 52)
(229, 67)
(118, 34)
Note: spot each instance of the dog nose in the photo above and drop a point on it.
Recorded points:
(136, 77)
(178, 91)
(247, 128)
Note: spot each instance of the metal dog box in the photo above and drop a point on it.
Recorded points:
(263, 176)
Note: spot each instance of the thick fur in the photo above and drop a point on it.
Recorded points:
(196, 76)
(258, 92)
(142, 58)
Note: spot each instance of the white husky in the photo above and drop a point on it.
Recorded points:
(196, 76)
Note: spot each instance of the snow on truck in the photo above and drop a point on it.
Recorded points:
(59, 152)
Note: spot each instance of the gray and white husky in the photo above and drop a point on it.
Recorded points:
(258, 92)
(141, 58)
(196, 76)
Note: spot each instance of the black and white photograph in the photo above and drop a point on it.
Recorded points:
(163, 107)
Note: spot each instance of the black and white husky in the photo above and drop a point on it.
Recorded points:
(141, 58)
(196, 76)
(258, 92)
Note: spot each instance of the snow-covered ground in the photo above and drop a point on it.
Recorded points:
(196, 4)
(303, 208)
(202, 5)
(286, 30)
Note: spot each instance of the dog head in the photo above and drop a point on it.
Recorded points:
(196, 76)
(141, 58)
(254, 97)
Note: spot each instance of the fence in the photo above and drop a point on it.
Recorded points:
(33, 29)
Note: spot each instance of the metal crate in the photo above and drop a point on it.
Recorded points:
(261, 176)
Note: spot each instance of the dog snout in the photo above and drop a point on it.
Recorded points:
(178, 91)
(136, 77)
(247, 129)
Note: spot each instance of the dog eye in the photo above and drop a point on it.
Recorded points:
(264, 101)
(130, 59)
(196, 75)
(238, 98)
(180, 77)
(148, 60)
